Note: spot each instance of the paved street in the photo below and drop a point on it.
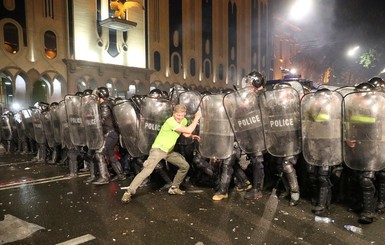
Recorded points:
(39, 205)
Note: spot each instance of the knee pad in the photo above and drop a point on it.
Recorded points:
(366, 181)
(287, 167)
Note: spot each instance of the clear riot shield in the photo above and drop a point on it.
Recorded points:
(153, 114)
(26, 117)
(363, 131)
(175, 92)
(242, 108)
(92, 122)
(47, 127)
(191, 99)
(216, 135)
(19, 124)
(55, 122)
(345, 90)
(75, 124)
(298, 87)
(128, 123)
(281, 121)
(322, 128)
(6, 130)
(38, 126)
(66, 141)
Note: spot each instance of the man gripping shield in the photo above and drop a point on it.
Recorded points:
(242, 108)
(364, 142)
(280, 109)
(321, 142)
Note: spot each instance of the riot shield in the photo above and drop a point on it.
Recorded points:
(242, 108)
(153, 114)
(128, 123)
(175, 92)
(298, 87)
(321, 128)
(38, 126)
(75, 124)
(66, 141)
(26, 117)
(48, 129)
(281, 119)
(55, 122)
(6, 130)
(191, 99)
(363, 131)
(345, 90)
(92, 122)
(216, 136)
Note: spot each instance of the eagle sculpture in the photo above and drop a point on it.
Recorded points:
(120, 7)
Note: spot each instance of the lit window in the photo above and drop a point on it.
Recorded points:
(11, 38)
(50, 44)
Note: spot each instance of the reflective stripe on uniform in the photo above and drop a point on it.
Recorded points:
(363, 119)
(322, 117)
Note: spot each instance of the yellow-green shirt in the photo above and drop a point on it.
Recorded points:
(167, 135)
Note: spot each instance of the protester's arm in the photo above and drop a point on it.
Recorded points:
(190, 128)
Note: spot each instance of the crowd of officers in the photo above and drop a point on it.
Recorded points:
(326, 144)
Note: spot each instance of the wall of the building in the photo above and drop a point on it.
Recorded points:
(203, 44)
(207, 61)
(30, 62)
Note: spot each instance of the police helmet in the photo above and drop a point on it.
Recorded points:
(227, 91)
(205, 92)
(364, 87)
(256, 79)
(102, 92)
(377, 82)
(137, 99)
(42, 106)
(117, 100)
(155, 93)
(323, 90)
(281, 85)
(79, 93)
(54, 104)
(87, 92)
(165, 94)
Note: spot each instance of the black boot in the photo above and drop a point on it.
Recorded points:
(381, 198)
(54, 157)
(367, 214)
(294, 188)
(253, 194)
(323, 201)
(92, 173)
(103, 171)
(118, 170)
(286, 188)
(73, 166)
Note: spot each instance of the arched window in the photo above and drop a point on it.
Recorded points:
(131, 90)
(11, 38)
(50, 45)
(39, 91)
(157, 65)
(6, 92)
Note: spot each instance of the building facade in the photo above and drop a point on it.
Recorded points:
(51, 48)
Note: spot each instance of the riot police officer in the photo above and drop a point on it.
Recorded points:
(40, 137)
(364, 147)
(321, 140)
(111, 137)
(280, 109)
